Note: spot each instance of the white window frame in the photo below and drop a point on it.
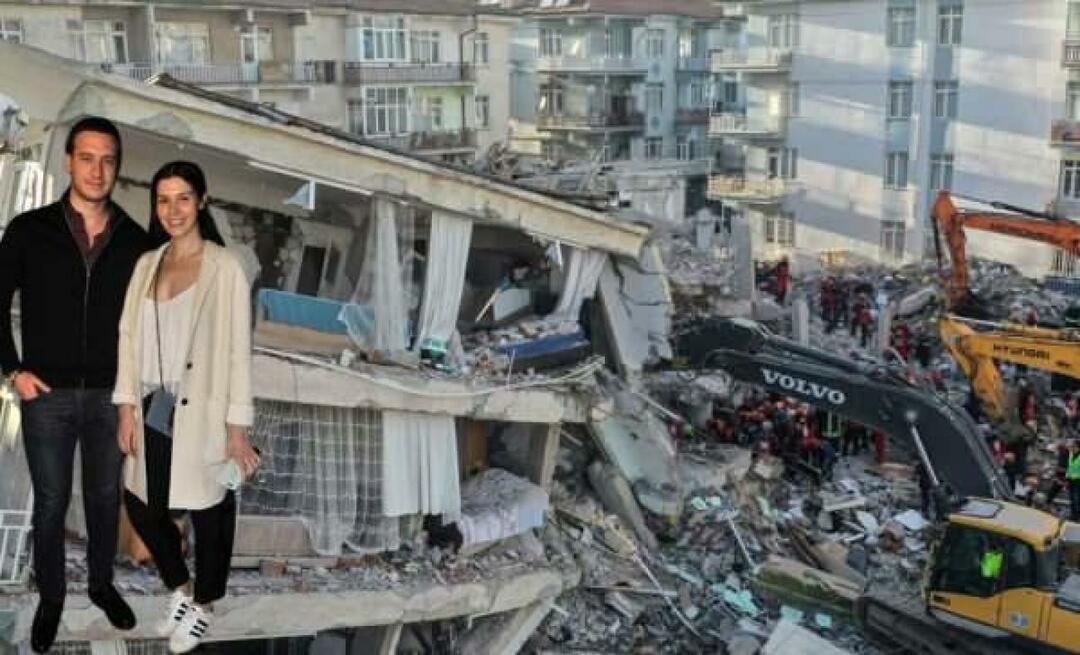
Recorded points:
(900, 28)
(483, 111)
(654, 148)
(386, 110)
(697, 95)
(384, 38)
(197, 36)
(896, 170)
(780, 229)
(782, 31)
(950, 25)
(432, 110)
(782, 163)
(893, 235)
(551, 100)
(654, 98)
(1070, 179)
(946, 98)
(111, 45)
(793, 100)
(355, 110)
(941, 171)
(1072, 21)
(550, 42)
(11, 29)
(1072, 101)
(257, 41)
(481, 49)
(654, 43)
(425, 46)
(899, 105)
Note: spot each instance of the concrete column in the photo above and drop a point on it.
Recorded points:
(544, 453)
(800, 321)
(506, 634)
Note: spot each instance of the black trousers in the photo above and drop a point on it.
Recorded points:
(52, 424)
(214, 528)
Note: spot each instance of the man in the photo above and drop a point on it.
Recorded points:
(70, 262)
(1072, 476)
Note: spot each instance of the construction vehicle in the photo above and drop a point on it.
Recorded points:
(1031, 603)
(1001, 218)
(976, 346)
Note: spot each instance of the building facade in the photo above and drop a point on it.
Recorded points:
(426, 78)
(838, 121)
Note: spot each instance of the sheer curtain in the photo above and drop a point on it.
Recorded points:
(582, 274)
(420, 465)
(448, 254)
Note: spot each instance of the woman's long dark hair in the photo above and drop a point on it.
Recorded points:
(193, 175)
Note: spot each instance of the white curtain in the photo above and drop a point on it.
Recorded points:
(420, 465)
(448, 254)
(582, 273)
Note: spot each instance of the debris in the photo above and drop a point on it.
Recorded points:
(742, 601)
(622, 604)
(806, 586)
(789, 613)
(616, 495)
(868, 522)
(912, 520)
(743, 644)
(790, 639)
(823, 621)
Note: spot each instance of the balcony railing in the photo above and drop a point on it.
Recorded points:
(429, 140)
(592, 120)
(265, 72)
(598, 64)
(741, 124)
(694, 64)
(731, 187)
(379, 73)
(1070, 53)
(1065, 132)
(765, 59)
(692, 115)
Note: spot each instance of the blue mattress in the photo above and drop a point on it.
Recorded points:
(524, 350)
(302, 311)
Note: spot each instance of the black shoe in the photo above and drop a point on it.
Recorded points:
(118, 611)
(46, 621)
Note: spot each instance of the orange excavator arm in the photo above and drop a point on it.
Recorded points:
(952, 221)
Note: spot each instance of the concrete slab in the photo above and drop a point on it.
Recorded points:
(790, 639)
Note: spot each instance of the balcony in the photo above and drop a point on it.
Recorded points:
(430, 141)
(414, 73)
(1065, 132)
(1070, 53)
(599, 65)
(730, 187)
(692, 115)
(693, 65)
(740, 125)
(592, 121)
(762, 60)
(266, 72)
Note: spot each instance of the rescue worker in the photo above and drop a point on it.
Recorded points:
(1072, 475)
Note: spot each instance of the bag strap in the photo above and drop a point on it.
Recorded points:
(157, 318)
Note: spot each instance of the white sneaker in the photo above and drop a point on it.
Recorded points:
(179, 606)
(193, 627)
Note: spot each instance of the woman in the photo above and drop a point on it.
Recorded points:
(184, 370)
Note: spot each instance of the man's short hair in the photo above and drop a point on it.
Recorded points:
(94, 124)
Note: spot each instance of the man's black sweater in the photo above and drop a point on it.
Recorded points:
(70, 309)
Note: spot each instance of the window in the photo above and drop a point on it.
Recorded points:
(1019, 565)
(900, 31)
(256, 44)
(783, 163)
(483, 112)
(697, 95)
(783, 30)
(618, 42)
(958, 568)
(1072, 101)
(1064, 263)
(383, 38)
(1070, 179)
(945, 97)
(899, 100)
(386, 111)
(654, 148)
(686, 148)
(780, 229)
(183, 43)
(100, 41)
(654, 98)
(550, 42)
(950, 24)
(481, 48)
(11, 30)
(425, 46)
(730, 92)
(941, 170)
(792, 100)
(356, 116)
(1072, 26)
(551, 100)
(432, 109)
(654, 44)
(896, 164)
(892, 239)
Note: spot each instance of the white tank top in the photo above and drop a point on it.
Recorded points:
(174, 315)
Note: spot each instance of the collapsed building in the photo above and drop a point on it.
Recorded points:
(423, 337)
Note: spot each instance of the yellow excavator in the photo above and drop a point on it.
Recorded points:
(977, 346)
(1004, 579)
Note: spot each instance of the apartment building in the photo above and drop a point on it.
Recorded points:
(421, 76)
(838, 121)
(622, 84)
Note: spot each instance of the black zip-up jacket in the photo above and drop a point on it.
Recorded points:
(70, 310)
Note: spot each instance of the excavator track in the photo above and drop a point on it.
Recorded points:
(901, 625)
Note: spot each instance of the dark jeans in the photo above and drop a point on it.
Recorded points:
(214, 528)
(52, 424)
(1074, 500)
